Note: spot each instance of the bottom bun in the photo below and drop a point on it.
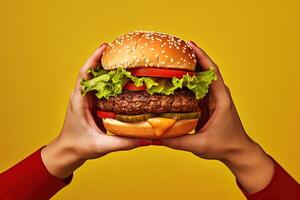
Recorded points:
(152, 128)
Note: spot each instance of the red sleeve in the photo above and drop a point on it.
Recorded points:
(29, 179)
(281, 187)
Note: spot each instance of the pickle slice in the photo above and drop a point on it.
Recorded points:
(134, 118)
(191, 115)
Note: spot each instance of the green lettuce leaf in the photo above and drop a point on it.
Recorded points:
(199, 83)
(110, 83)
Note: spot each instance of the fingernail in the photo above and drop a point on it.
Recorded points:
(143, 143)
(156, 142)
(102, 45)
(192, 43)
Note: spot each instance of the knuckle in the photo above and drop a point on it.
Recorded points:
(202, 145)
(227, 103)
(71, 102)
(98, 146)
(82, 72)
(215, 67)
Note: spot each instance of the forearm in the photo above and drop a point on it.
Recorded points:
(60, 159)
(29, 179)
(252, 167)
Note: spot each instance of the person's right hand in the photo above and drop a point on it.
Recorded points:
(223, 137)
(81, 139)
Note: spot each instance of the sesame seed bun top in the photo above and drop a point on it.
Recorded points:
(148, 49)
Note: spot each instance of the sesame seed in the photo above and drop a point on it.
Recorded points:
(146, 43)
(170, 47)
(166, 56)
(171, 60)
(152, 49)
(163, 51)
(178, 62)
(163, 62)
(156, 55)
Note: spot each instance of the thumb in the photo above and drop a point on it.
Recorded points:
(191, 143)
(117, 143)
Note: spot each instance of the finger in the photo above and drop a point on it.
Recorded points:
(205, 112)
(204, 60)
(228, 91)
(192, 143)
(217, 87)
(77, 101)
(98, 121)
(116, 143)
(92, 62)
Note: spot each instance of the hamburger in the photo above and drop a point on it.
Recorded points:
(148, 87)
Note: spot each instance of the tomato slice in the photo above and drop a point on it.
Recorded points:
(105, 114)
(156, 72)
(131, 86)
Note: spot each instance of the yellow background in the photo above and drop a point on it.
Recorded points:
(255, 43)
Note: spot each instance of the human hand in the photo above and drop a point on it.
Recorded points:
(223, 137)
(81, 138)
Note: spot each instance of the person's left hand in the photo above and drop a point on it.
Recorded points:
(81, 138)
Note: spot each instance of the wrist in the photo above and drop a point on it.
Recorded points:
(252, 167)
(60, 159)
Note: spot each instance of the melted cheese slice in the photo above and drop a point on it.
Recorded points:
(160, 125)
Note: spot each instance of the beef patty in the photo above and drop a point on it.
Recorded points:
(140, 102)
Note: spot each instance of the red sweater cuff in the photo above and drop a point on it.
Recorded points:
(30, 179)
(281, 187)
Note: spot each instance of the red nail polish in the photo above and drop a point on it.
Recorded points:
(156, 142)
(143, 143)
